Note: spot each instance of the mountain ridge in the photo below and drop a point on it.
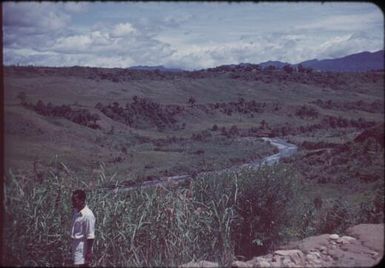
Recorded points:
(160, 68)
(357, 62)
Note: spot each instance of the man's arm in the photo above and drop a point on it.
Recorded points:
(90, 236)
(90, 243)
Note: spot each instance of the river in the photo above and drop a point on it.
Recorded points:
(285, 149)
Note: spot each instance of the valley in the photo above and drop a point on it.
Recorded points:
(99, 128)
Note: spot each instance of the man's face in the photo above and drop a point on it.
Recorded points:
(77, 202)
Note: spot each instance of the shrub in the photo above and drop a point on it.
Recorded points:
(191, 101)
(334, 218)
(254, 203)
(263, 202)
(288, 68)
(81, 117)
(22, 97)
(372, 211)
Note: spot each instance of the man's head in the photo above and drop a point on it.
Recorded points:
(78, 199)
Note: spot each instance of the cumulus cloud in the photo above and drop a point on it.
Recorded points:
(49, 34)
(33, 17)
(342, 22)
(123, 29)
(76, 7)
(348, 44)
(37, 33)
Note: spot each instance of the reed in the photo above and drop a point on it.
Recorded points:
(217, 217)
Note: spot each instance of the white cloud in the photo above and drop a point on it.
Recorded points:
(33, 17)
(346, 22)
(60, 34)
(76, 7)
(72, 44)
(123, 29)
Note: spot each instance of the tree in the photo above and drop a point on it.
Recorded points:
(50, 109)
(40, 107)
(95, 117)
(270, 68)
(99, 106)
(301, 69)
(22, 97)
(224, 131)
(287, 68)
(115, 105)
(191, 101)
(263, 124)
(234, 130)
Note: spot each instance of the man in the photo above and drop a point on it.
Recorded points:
(83, 230)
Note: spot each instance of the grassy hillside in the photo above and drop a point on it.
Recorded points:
(278, 97)
(92, 127)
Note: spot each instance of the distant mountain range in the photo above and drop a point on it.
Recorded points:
(160, 68)
(276, 64)
(359, 62)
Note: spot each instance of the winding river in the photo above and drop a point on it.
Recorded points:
(285, 149)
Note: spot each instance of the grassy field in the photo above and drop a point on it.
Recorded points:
(105, 126)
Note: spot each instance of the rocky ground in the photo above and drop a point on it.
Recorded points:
(361, 246)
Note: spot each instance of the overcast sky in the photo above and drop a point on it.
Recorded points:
(188, 35)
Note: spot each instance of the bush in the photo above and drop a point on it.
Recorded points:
(253, 204)
(288, 68)
(81, 117)
(334, 218)
(263, 207)
(372, 211)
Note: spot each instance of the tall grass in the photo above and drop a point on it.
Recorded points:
(216, 218)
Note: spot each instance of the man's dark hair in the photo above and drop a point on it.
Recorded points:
(80, 194)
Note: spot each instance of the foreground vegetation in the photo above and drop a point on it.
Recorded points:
(216, 217)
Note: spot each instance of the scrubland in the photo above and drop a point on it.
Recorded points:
(68, 128)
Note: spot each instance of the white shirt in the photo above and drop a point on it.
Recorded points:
(83, 224)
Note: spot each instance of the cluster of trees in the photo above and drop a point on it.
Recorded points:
(265, 130)
(257, 68)
(82, 116)
(305, 111)
(300, 69)
(327, 122)
(243, 106)
(342, 168)
(371, 107)
(234, 68)
(201, 136)
(234, 131)
(166, 141)
(340, 122)
(142, 113)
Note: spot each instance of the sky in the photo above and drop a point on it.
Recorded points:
(187, 35)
